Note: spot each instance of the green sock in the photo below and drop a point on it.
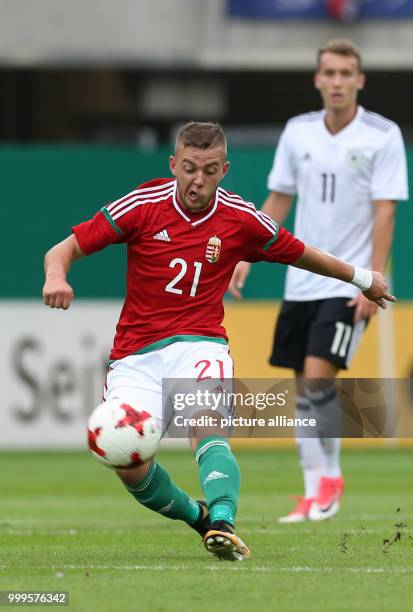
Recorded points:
(159, 493)
(220, 478)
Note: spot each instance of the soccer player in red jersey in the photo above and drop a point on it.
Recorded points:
(184, 236)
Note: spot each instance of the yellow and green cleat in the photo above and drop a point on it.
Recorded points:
(221, 541)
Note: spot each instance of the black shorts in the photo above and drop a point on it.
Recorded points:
(321, 328)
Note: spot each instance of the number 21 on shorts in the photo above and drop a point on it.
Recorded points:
(206, 367)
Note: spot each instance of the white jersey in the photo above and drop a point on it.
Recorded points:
(337, 179)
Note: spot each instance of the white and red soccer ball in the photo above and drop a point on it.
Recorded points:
(120, 436)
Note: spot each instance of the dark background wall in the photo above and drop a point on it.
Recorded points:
(114, 105)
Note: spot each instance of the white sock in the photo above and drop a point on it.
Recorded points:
(331, 449)
(326, 406)
(310, 451)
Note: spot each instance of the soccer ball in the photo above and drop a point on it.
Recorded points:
(121, 436)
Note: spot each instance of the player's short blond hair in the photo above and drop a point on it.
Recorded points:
(340, 46)
(201, 135)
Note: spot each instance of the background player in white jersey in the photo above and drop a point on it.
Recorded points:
(348, 167)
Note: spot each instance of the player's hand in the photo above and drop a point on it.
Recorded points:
(379, 291)
(364, 308)
(239, 276)
(57, 293)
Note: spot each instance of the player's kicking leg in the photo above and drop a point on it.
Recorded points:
(150, 484)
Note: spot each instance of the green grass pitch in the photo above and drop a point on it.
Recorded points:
(66, 523)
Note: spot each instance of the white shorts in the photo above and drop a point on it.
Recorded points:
(147, 381)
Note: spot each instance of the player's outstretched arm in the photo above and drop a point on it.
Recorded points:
(57, 293)
(372, 284)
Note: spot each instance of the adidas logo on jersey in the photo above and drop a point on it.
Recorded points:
(214, 476)
(163, 235)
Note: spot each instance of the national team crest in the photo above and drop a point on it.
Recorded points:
(213, 249)
(356, 158)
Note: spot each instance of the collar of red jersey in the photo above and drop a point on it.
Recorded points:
(200, 219)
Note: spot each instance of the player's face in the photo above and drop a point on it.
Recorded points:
(198, 173)
(339, 80)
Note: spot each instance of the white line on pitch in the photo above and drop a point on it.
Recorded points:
(352, 570)
(220, 567)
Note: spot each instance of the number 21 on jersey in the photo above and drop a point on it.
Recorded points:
(182, 269)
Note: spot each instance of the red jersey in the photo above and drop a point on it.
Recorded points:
(180, 263)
